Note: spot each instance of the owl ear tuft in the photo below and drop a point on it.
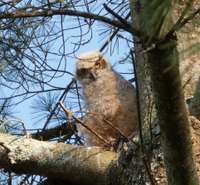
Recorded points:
(101, 63)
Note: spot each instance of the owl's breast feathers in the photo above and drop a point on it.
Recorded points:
(111, 100)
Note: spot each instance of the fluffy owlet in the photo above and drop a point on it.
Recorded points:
(110, 100)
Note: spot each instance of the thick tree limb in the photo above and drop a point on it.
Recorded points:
(74, 164)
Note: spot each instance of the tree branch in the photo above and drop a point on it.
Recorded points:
(68, 87)
(73, 164)
(122, 20)
(70, 114)
(64, 11)
(66, 129)
(112, 36)
(182, 22)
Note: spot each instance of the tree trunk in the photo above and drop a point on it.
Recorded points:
(172, 114)
(188, 47)
(169, 100)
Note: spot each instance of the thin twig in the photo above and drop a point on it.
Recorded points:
(111, 125)
(115, 128)
(138, 104)
(61, 97)
(122, 20)
(182, 23)
(148, 170)
(181, 18)
(70, 114)
(112, 36)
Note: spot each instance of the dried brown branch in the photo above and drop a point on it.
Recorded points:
(69, 114)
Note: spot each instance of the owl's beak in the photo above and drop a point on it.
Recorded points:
(92, 76)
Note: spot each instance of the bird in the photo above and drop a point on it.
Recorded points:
(110, 102)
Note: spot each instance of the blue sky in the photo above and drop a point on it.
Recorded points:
(24, 111)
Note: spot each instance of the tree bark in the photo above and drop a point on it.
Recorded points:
(169, 99)
(188, 47)
(73, 164)
(173, 120)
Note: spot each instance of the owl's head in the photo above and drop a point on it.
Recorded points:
(90, 65)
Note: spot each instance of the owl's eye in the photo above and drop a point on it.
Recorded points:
(81, 72)
(97, 64)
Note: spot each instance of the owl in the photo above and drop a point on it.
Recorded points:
(110, 101)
